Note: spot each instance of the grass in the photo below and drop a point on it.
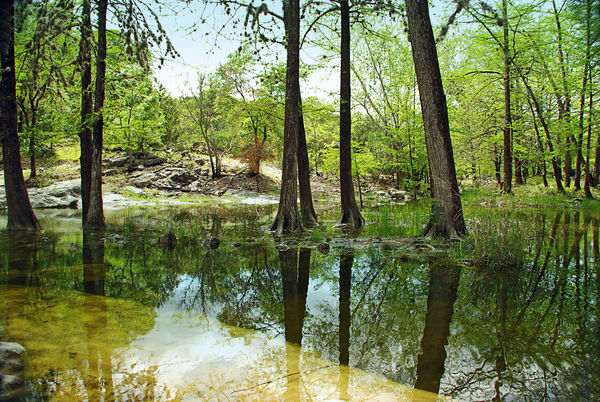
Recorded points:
(529, 195)
(389, 220)
(498, 240)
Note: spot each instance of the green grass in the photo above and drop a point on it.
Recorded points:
(391, 220)
(68, 152)
(529, 195)
(498, 240)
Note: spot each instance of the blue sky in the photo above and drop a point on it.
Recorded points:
(202, 51)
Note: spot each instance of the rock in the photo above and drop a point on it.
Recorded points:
(144, 180)
(11, 350)
(59, 195)
(181, 176)
(235, 244)
(250, 239)
(12, 387)
(197, 186)
(109, 172)
(323, 248)
(168, 240)
(396, 194)
(11, 371)
(135, 190)
(119, 161)
(152, 160)
(212, 243)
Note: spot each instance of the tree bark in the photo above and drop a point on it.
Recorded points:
(95, 216)
(350, 213)
(307, 210)
(287, 213)
(85, 130)
(507, 189)
(20, 212)
(447, 218)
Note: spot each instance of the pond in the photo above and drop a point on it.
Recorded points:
(114, 315)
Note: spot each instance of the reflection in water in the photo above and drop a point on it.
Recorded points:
(294, 281)
(345, 281)
(443, 286)
(153, 324)
(22, 259)
(98, 376)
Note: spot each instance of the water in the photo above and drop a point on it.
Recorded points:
(114, 316)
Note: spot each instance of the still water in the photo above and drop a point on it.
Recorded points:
(113, 315)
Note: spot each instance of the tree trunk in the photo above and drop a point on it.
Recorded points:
(587, 74)
(597, 162)
(538, 109)
(20, 213)
(564, 105)
(95, 217)
(287, 213)
(307, 210)
(540, 144)
(32, 165)
(350, 213)
(85, 130)
(447, 219)
(497, 165)
(507, 189)
(588, 175)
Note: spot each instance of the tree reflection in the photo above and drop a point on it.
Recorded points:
(294, 281)
(529, 328)
(22, 258)
(443, 286)
(345, 282)
(97, 375)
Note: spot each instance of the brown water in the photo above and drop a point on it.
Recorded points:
(114, 316)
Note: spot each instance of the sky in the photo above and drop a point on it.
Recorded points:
(201, 51)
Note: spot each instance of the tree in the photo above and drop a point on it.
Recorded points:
(43, 62)
(20, 212)
(287, 219)
(507, 187)
(201, 109)
(447, 217)
(85, 130)
(95, 216)
(350, 213)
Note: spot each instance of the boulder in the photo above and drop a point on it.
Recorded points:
(212, 243)
(144, 179)
(119, 161)
(64, 194)
(181, 176)
(12, 384)
(149, 162)
(396, 194)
